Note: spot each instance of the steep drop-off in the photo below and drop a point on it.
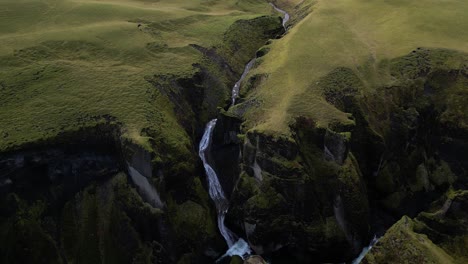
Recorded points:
(338, 143)
(335, 137)
(95, 195)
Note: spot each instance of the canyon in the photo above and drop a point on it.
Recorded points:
(260, 139)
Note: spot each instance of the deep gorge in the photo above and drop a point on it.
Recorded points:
(396, 170)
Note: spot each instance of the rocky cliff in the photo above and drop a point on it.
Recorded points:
(387, 156)
(95, 196)
(319, 190)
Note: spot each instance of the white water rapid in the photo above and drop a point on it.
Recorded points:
(236, 88)
(215, 189)
(237, 246)
(364, 251)
(286, 15)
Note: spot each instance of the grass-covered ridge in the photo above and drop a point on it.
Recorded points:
(69, 64)
(356, 34)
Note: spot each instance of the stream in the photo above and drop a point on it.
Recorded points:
(215, 189)
(286, 15)
(236, 88)
(236, 246)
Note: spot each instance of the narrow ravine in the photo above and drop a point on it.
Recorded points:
(215, 189)
(236, 246)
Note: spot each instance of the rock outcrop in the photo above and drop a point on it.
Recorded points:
(292, 199)
(436, 236)
(323, 190)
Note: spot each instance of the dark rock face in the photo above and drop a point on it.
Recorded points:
(74, 202)
(58, 195)
(336, 147)
(225, 150)
(290, 200)
(56, 166)
(226, 130)
(69, 200)
(339, 184)
(106, 221)
(71, 164)
(416, 127)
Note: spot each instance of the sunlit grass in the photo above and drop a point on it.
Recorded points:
(68, 64)
(357, 34)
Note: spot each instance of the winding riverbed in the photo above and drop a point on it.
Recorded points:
(215, 189)
(236, 246)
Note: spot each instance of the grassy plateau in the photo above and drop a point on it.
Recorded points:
(357, 34)
(69, 64)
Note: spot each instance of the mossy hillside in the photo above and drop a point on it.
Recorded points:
(414, 119)
(435, 236)
(106, 222)
(242, 39)
(23, 239)
(220, 67)
(354, 195)
(403, 245)
(393, 126)
(396, 102)
(333, 184)
(296, 193)
(445, 223)
(191, 217)
(193, 221)
(340, 86)
(422, 79)
(93, 63)
(287, 5)
(357, 79)
(98, 228)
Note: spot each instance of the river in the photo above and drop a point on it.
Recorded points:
(236, 246)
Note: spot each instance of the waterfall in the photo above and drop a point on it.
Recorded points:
(236, 246)
(215, 189)
(365, 250)
(145, 188)
(236, 88)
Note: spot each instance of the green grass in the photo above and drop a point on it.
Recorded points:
(401, 244)
(355, 34)
(69, 64)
